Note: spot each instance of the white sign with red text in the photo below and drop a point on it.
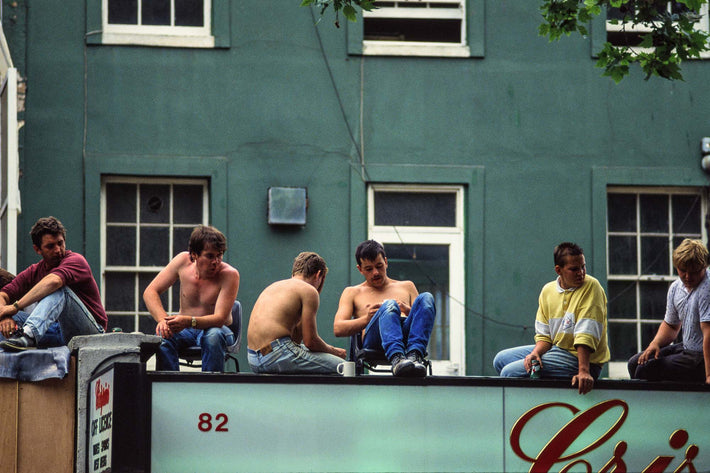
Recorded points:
(100, 423)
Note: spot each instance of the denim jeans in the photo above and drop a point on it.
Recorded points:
(64, 307)
(673, 364)
(52, 338)
(287, 357)
(556, 363)
(389, 331)
(213, 341)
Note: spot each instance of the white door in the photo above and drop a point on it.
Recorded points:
(422, 232)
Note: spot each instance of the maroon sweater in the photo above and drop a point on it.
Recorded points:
(74, 272)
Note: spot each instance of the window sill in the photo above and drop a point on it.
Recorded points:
(168, 41)
(396, 48)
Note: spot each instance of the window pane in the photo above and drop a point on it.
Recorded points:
(622, 341)
(621, 212)
(125, 322)
(187, 204)
(155, 203)
(648, 331)
(622, 300)
(653, 299)
(415, 209)
(175, 308)
(120, 291)
(654, 255)
(189, 13)
(427, 266)
(120, 203)
(123, 12)
(143, 280)
(156, 12)
(146, 324)
(409, 29)
(654, 213)
(686, 214)
(155, 250)
(120, 246)
(181, 239)
(622, 255)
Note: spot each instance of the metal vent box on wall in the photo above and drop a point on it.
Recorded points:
(287, 206)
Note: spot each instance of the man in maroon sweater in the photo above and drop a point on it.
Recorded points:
(62, 286)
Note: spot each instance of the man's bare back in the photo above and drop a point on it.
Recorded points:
(278, 310)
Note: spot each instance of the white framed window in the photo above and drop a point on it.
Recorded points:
(416, 28)
(644, 226)
(623, 33)
(179, 23)
(144, 223)
(421, 228)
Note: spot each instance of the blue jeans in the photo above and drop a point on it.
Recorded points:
(556, 363)
(213, 341)
(52, 338)
(288, 358)
(64, 307)
(673, 364)
(389, 331)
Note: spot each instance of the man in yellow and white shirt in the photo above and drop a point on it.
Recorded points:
(570, 327)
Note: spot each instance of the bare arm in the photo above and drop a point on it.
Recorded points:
(583, 377)
(47, 285)
(344, 324)
(151, 296)
(665, 335)
(540, 349)
(309, 328)
(705, 327)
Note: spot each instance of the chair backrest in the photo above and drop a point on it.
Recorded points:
(236, 327)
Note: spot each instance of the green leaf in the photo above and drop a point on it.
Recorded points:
(350, 13)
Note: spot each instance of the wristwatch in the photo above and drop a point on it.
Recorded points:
(194, 323)
(14, 304)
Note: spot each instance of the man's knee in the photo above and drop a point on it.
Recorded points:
(213, 337)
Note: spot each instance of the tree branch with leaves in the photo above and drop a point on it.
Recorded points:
(669, 33)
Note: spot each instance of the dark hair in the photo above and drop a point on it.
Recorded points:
(204, 235)
(566, 249)
(46, 226)
(308, 264)
(369, 250)
(6, 277)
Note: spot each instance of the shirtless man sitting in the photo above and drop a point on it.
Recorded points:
(391, 314)
(282, 336)
(208, 289)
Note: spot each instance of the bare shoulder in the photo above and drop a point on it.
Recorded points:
(179, 262)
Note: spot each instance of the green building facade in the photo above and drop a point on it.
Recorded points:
(470, 153)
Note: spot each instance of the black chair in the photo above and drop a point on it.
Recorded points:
(194, 354)
(372, 359)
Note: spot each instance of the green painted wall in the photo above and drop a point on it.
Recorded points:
(531, 128)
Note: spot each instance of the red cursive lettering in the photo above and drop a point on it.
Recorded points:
(554, 451)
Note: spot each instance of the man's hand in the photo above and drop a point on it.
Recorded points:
(404, 307)
(177, 323)
(651, 352)
(163, 330)
(7, 327)
(339, 352)
(528, 361)
(7, 311)
(585, 380)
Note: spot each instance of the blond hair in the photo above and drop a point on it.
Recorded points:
(691, 255)
(308, 264)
